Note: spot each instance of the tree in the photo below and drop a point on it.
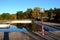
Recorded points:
(57, 16)
(13, 17)
(0, 17)
(35, 12)
(5, 16)
(50, 14)
(19, 15)
(29, 13)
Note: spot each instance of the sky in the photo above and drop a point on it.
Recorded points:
(12, 6)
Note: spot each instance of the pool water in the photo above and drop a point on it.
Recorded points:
(13, 29)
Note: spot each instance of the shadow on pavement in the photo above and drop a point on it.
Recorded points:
(6, 35)
(30, 37)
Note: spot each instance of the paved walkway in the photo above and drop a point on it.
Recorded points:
(47, 27)
(19, 36)
(51, 24)
(28, 36)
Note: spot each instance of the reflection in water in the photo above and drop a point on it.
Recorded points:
(13, 29)
(21, 28)
(29, 27)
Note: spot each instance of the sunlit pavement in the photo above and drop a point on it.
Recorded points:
(29, 36)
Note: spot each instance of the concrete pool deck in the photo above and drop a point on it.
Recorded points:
(23, 36)
(51, 24)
